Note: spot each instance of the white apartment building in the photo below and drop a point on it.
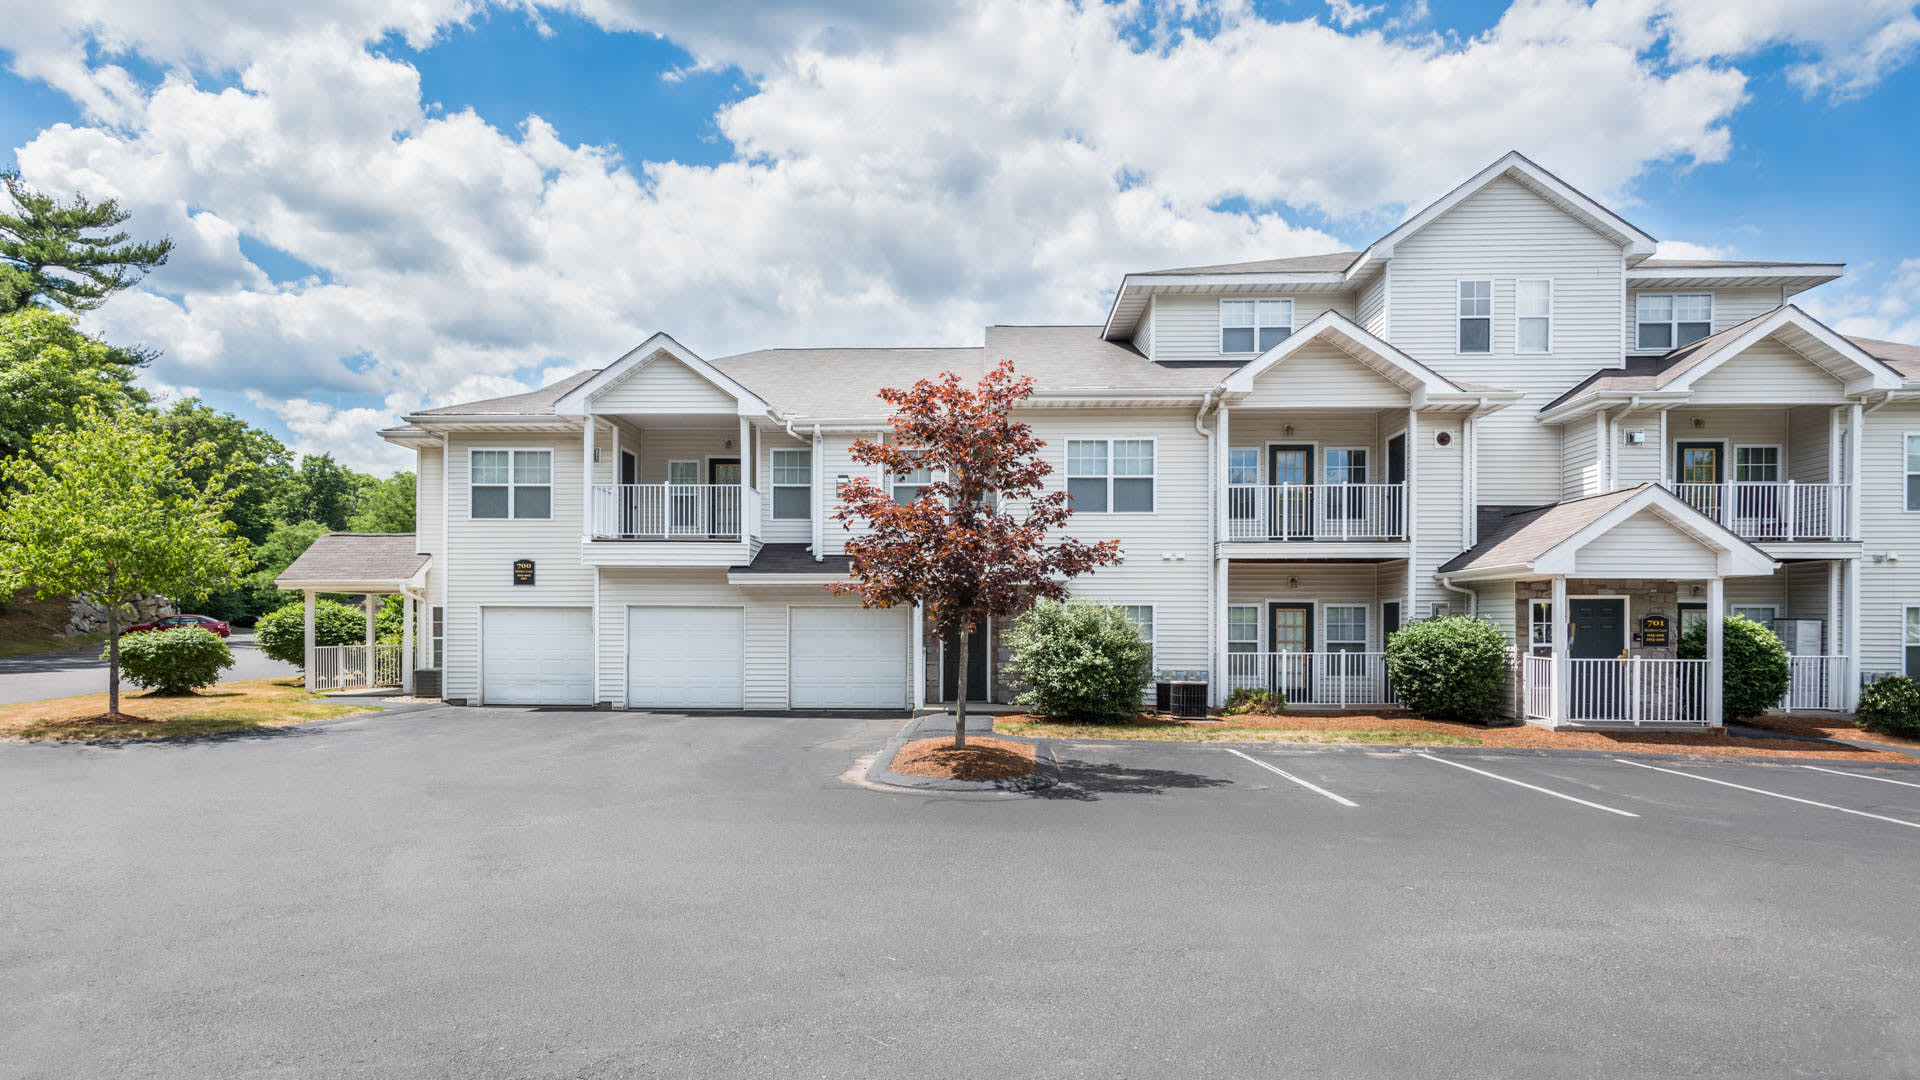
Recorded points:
(1505, 407)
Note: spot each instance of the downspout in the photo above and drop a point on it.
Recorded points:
(1876, 406)
(1213, 493)
(1473, 598)
(819, 482)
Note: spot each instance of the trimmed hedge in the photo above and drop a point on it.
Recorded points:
(1080, 661)
(1450, 669)
(282, 633)
(176, 661)
(1755, 668)
(1891, 707)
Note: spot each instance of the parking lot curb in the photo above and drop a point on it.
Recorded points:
(1046, 771)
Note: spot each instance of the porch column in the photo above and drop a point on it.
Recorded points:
(1851, 696)
(1409, 518)
(1856, 419)
(308, 625)
(1562, 670)
(372, 605)
(586, 479)
(1716, 661)
(406, 642)
(919, 679)
(1219, 690)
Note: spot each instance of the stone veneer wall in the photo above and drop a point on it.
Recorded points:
(1645, 596)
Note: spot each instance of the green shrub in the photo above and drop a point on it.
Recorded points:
(1891, 707)
(1451, 668)
(1755, 668)
(1246, 701)
(177, 661)
(282, 633)
(1081, 661)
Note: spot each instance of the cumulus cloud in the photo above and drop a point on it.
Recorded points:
(1686, 249)
(903, 173)
(1887, 308)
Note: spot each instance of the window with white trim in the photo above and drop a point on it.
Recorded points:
(908, 486)
(1243, 466)
(1533, 315)
(792, 482)
(510, 483)
(1913, 472)
(1346, 627)
(1243, 628)
(1756, 464)
(438, 635)
(1670, 320)
(1540, 628)
(1254, 326)
(1476, 316)
(1110, 475)
(683, 472)
(1764, 614)
(1911, 642)
(1142, 618)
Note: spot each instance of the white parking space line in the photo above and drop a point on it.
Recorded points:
(1860, 776)
(1529, 787)
(1775, 794)
(1309, 785)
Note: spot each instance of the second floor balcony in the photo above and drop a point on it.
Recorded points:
(1316, 512)
(670, 512)
(1775, 511)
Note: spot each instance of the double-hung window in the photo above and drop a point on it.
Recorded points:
(1911, 642)
(1756, 464)
(1243, 628)
(438, 633)
(1110, 475)
(1913, 472)
(510, 483)
(1254, 326)
(910, 485)
(1764, 614)
(1142, 617)
(792, 484)
(1533, 315)
(1476, 316)
(1346, 628)
(1540, 628)
(1670, 320)
(1243, 479)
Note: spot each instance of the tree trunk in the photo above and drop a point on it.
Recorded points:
(960, 706)
(113, 658)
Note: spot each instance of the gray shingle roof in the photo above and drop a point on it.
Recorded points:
(532, 403)
(354, 558)
(795, 559)
(1643, 373)
(1529, 534)
(1330, 263)
(1902, 358)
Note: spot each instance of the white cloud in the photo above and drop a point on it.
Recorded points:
(1873, 306)
(1687, 249)
(905, 175)
(1348, 13)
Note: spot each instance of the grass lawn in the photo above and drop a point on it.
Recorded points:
(29, 626)
(227, 707)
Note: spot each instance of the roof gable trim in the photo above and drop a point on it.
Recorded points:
(1399, 368)
(576, 402)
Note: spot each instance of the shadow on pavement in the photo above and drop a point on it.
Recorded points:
(1088, 781)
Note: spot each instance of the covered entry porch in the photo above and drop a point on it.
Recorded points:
(1313, 630)
(371, 566)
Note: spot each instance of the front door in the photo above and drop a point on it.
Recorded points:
(1290, 513)
(628, 501)
(977, 688)
(1699, 470)
(1291, 632)
(1396, 475)
(723, 502)
(1598, 690)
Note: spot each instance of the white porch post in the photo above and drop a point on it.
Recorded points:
(1716, 660)
(372, 605)
(1856, 420)
(1408, 517)
(406, 642)
(1851, 696)
(586, 478)
(308, 624)
(919, 679)
(1220, 575)
(1562, 670)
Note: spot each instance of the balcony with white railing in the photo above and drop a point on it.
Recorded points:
(674, 512)
(1315, 680)
(1783, 511)
(1316, 512)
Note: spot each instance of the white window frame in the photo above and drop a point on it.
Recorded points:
(1459, 320)
(1520, 317)
(1220, 338)
(1908, 472)
(1534, 624)
(695, 462)
(1153, 478)
(1258, 631)
(1906, 638)
(773, 486)
(1326, 463)
(1779, 462)
(437, 635)
(895, 483)
(1774, 617)
(1672, 322)
(1255, 451)
(1365, 640)
(512, 485)
(1440, 609)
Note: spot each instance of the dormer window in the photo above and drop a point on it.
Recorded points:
(1670, 320)
(1254, 326)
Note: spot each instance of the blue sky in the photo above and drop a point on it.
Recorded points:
(371, 219)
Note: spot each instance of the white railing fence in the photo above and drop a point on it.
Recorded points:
(1537, 677)
(1775, 510)
(1637, 691)
(1816, 683)
(1334, 680)
(353, 667)
(1316, 511)
(671, 511)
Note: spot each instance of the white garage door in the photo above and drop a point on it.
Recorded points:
(848, 658)
(685, 657)
(536, 656)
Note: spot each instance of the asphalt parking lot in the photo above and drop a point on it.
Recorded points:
(518, 893)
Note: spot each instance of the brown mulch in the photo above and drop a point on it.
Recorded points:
(1831, 727)
(983, 758)
(1527, 737)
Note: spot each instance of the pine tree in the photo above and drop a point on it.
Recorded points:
(47, 252)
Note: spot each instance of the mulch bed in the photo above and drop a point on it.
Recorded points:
(984, 758)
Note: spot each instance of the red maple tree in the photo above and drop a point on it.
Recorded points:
(973, 543)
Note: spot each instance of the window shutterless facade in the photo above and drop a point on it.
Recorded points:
(1764, 614)
(1243, 466)
(1110, 475)
(1254, 326)
(1533, 315)
(1911, 641)
(1142, 616)
(1756, 464)
(1670, 320)
(510, 484)
(1476, 316)
(1346, 627)
(1540, 628)
(1913, 471)
(792, 481)
(438, 634)
(1243, 628)
(909, 486)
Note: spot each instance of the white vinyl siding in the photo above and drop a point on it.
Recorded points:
(1359, 585)
(775, 531)
(1319, 373)
(1253, 326)
(1643, 541)
(1187, 327)
(664, 386)
(1730, 307)
(1371, 310)
(1579, 460)
(1437, 505)
(1767, 373)
(428, 496)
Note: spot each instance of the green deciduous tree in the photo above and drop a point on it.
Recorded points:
(105, 510)
(258, 466)
(385, 506)
(320, 490)
(49, 371)
(63, 252)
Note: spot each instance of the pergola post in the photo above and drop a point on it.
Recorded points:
(307, 624)
(372, 606)
(1716, 661)
(1562, 669)
(406, 643)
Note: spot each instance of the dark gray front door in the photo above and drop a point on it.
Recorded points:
(977, 688)
(1598, 691)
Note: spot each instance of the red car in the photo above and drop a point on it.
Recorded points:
(174, 622)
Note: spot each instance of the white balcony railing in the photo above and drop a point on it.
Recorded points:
(1637, 691)
(672, 511)
(353, 667)
(1781, 511)
(1333, 680)
(1316, 512)
(1815, 683)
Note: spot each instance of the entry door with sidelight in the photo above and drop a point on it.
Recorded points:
(1598, 687)
(1699, 470)
(723, 498)
(1290, 514)
(1290, 629)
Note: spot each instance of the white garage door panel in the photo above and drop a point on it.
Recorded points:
(848, 658)
(685, 657)
(536, 656)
